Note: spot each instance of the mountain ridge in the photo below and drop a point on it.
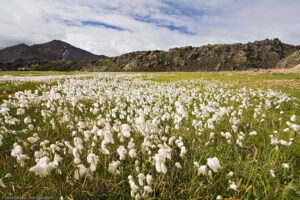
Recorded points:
(217, 57)
(263, 54)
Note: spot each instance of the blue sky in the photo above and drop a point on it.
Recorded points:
(113, 27)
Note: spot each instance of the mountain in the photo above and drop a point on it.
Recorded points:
(258, 54)
(58, 55)
(54, 50)
(20, 51)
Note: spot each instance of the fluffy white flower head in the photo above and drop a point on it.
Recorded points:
(214, 164)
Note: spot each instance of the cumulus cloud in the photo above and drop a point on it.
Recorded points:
(115, 27)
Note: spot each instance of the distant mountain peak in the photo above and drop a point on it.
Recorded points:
(58, 42)
(53, 50)
(18, 46)
(22, 45)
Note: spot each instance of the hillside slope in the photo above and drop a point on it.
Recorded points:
(290, 61)
(54, 50)
(258, 54)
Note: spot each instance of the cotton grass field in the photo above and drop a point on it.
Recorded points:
(149, 135)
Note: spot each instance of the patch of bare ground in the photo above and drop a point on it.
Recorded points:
(293, 70)
(293, 84)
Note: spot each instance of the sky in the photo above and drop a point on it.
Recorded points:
(114, 27)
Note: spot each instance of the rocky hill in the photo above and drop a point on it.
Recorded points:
(55, 50)
(258, 54)
(263, 54)
(290, 61)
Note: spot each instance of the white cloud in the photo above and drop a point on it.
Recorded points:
(150, 23)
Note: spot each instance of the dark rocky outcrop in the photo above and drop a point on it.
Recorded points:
(253, 55)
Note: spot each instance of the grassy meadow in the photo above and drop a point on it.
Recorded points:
(178, 135)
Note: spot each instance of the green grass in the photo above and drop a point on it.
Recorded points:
(223, 76)
(250, 163)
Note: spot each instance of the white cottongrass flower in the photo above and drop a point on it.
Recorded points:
(141, 178)
(2, 184)
(131, 144)
(8, 175)
(56, 160)
(295, 127)
(30, 126)
(125, 130)
(147, 189)
(183, 151)
(286, 130)
(20, 111)
(284, 143)
(133, 186)
(230, 174)
(293, 118)
(166, 116)
(44, 143)
(78, 143)
(272, 173)
(227, 135)
(27, 120)
(93, 160)
(108, 137)
(132, 153)
(285, 165)
(68, 145)
(137, 196)
(33, 139)
(178, 165)
(203, 170)
(149, 179)
(214, 164)
(160, 159)
(17, 152)
(240, 138)
(81, 125)
(76, 152)
(42, 168)
(232, 186)
(219, 197)
(122, 152)
(253, 133)
(113, 167)
(171, 140)
(80, 171)
(137, 169)
(196, 164)
(104, 149)
(87, 135)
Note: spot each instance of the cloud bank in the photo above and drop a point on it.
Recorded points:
(120, 26)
